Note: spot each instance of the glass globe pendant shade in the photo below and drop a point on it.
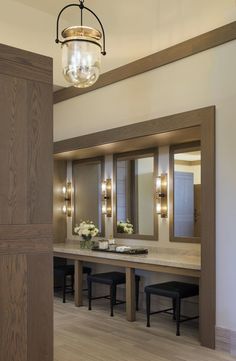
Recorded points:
(81, 55)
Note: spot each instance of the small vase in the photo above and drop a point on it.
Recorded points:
(86, 242)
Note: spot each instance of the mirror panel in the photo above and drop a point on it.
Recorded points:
(186, 220)
(87, 179)
(135, 197)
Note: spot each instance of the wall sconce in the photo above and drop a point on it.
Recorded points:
(106, 198)
(66, 208)
(161, 191)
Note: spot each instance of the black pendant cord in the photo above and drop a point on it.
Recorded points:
(82, 7)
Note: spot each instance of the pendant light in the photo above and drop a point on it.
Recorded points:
(81, 50)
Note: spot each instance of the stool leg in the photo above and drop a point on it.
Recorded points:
(89, 273)
(72, 283)
(174, 308)
(115, 294)
(112, 298)
(137, 293)
(89, 295)
(148, 306)
(178, 316)
(64, 288)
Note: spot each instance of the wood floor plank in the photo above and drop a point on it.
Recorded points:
(94, 336)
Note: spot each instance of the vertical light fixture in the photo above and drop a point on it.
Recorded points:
(161, 192)
(81, 50)
(106, 198)
(66, 208)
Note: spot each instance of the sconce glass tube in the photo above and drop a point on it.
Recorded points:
(106, 198)
(161, 191)
(66, 208)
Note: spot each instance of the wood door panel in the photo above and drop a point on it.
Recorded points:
(24, 64)
(25, 246)
(13, 150)
(25, 231)
(25, 206)
(40, 304)
(39, 192)
(13, 308)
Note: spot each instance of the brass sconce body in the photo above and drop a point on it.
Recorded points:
(162, 199)
(67, 199)
(106, 198)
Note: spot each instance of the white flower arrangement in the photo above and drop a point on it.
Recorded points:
(125, 227)
(86, 229)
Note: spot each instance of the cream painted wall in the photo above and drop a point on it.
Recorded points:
(205, 79)
(26, 28)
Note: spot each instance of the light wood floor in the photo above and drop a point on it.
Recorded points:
(82, 335)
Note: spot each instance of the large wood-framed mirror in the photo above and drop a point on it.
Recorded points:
(134, 194)
(185, 192)
(88, 175)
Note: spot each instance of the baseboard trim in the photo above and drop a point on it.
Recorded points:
(226, 340)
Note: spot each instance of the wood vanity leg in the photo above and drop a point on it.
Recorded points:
(130, 294)
(78, 283)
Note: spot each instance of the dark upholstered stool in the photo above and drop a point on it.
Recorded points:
(175, 290)
(62, 271)
(111, 279)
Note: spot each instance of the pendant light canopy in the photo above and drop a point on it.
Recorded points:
(81, 50)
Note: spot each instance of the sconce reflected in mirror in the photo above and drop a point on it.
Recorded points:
(161, 191)
(66, 208)
(106, 198)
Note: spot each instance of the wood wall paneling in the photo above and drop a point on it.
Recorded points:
(25, 206)
(208, 233)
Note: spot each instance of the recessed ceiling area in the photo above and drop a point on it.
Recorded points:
(156, 140)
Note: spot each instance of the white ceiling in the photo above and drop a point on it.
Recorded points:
(133, 28)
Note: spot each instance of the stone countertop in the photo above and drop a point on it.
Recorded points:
(161, 256)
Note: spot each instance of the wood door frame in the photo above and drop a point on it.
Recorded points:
(205, 119)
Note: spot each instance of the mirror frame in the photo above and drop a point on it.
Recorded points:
(136, 155)
(95, 160)
(186, 147)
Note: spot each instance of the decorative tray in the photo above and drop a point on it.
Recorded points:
(129, 251)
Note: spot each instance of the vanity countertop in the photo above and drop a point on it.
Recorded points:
(162, 256)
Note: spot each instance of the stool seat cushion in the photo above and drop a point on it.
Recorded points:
(109, 278)
(173, 289)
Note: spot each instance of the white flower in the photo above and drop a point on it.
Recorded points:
(86, 229)
(85, 232)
